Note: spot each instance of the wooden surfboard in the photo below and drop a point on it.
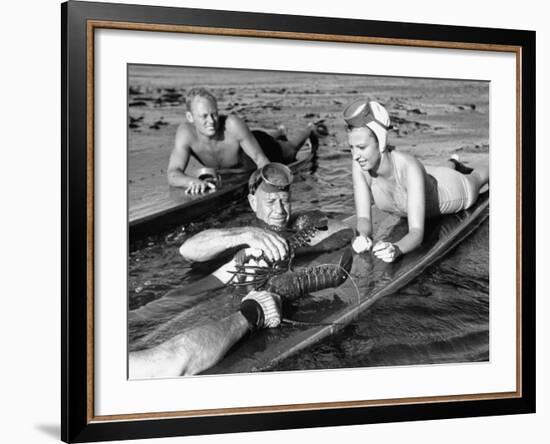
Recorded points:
(321, 314)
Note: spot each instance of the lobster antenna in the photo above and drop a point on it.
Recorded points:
(352, 281)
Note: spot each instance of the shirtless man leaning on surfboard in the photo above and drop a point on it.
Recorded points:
(219, 141)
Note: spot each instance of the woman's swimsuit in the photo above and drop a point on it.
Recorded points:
(447, 191)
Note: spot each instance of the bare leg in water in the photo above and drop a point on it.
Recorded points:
(291, 144)
(479, 175)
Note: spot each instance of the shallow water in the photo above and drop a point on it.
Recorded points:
(443, 316)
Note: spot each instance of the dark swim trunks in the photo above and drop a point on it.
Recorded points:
(271, 148)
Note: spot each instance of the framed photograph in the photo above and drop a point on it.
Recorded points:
(275, 221)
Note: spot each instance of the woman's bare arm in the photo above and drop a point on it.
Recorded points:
(416, 205)
(363, 201)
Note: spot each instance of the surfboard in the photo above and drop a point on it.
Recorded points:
(319, 315)
(160, 208)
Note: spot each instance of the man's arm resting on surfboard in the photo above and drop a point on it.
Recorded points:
(210, 243)
(247, 141)
(201, 347)
(179, 158)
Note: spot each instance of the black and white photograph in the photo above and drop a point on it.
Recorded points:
(279, 221)
(304, 221)
(275, 222)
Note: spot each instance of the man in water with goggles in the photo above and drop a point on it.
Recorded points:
(200, 347)
(269, 197)
(208, 139)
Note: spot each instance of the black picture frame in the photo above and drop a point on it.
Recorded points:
(78, 423)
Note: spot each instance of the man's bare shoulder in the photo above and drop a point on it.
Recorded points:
(186, 133)
(235, 126)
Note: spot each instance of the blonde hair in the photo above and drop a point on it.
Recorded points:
(198, 92)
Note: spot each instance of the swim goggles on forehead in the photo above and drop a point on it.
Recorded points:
(276, 175)
(360, 113)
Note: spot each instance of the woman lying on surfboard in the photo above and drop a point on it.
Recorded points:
(398, 183)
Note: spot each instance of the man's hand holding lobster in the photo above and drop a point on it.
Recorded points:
(273, 247)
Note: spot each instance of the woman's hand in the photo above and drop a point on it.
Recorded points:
(386, 251)
(361, 244)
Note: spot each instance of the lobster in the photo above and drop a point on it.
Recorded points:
(278, 277)
(258, 272)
